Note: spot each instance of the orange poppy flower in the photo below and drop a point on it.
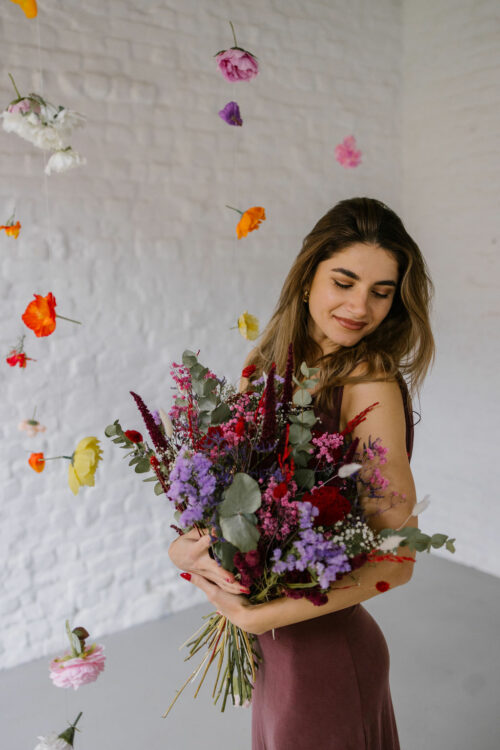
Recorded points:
(40, 315)
(37, 462)
(250, 220)
(28, 6)
(12, 230)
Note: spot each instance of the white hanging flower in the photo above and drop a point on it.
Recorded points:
(66, 120)
(421, 506)
(64, 159)
(348, 469)
(166, 422)
(391, 543)
(52, 742)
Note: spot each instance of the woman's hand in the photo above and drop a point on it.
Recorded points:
(235, 607)
(190, 552)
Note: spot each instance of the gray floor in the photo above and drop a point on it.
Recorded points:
(442, 630)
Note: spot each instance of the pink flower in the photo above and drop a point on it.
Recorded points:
(73, 671)
(346, 153)
(236, 64)
(24, 105)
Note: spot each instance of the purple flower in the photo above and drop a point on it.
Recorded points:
(231, 114)
(191, 484)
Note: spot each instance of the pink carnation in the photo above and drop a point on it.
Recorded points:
(68, 671)
(346, 153)
(237, 65)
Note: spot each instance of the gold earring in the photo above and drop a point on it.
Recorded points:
(306, 296)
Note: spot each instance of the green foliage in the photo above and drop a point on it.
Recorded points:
(418, 541)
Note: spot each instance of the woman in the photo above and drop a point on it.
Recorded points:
(355, 304)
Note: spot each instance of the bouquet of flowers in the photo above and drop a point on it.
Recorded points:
(280, 498)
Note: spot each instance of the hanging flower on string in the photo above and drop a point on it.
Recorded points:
(17, 355)
(346, 153)
(231, 114)
(63, 741)
(248, 326)
(250, 220)
(83, 664)
(28, 7)
(236, 63)
(11, 229)
(45, 126)
(40, 315)
(64, 159)
(31, 426)
(82, 467)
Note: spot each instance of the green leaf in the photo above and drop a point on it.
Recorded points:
(302, 398)
(150, 479)
(242, 496)
(450, 546)
(158, 489)
(120, 440)
(110, 430)
(225, 551)
(240, 532)
(304, 478)
(189, 358)
(198, 372)
(134, 460)
(142, 466)
(437, 540)
(207, 403)
(304, 369)
(307, 417)
(220, 414)
(299, 434)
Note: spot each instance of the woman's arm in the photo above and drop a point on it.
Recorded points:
(386, 421)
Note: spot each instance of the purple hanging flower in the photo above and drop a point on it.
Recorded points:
(231, 114)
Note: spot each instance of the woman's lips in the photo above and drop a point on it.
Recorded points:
(350, 324)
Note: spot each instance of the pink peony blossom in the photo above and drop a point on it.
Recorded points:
(346, 153)
(24, 105)
(237, 65)
(68, 671)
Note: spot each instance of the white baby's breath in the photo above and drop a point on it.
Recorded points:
(391, 543)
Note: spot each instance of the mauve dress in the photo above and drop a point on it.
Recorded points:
(323, 684)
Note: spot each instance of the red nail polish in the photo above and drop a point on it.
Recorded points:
(186, 576)
(244, 590)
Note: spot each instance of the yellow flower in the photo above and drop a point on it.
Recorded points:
(248, 326)
(84, 464)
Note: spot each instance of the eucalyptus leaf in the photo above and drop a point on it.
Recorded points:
(220, 414)
(450, 546)
(198, 372)
(304, 478)
(302, 398)
(134, 461)
(142, 466)
(150, 479)
(299, 434)
(240, 532)
(242, 496)
(110, 430)
(304, 369)
(307, 417)
(437, 540)
(119, 440)
(225, 551)
(189, 358)
(207, 403)
(158, 489)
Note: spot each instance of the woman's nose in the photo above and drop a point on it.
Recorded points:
(358, 303)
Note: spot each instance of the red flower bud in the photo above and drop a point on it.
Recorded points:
(133, 436)
(240, 426)
(248, 371)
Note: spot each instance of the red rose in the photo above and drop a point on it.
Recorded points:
(331, 504)
(248, 371)
(133, 436)
(382, 586)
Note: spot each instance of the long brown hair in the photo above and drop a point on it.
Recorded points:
(402, 344)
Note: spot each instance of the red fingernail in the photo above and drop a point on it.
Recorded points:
(244, 590)
(186, 576)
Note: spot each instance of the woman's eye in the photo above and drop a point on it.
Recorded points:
(377, 294)
(348, 286)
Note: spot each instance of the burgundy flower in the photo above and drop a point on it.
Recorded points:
(133, 436)
(231, 114)
(332, 505)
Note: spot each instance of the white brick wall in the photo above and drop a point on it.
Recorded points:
(139, 247)
(451, 188)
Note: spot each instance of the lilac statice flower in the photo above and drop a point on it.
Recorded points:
(312, 552)
(191, 484)
(156, 416)
(231, 114)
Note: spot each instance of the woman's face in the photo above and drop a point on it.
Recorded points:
(350, 295)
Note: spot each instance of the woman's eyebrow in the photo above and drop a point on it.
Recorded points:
(352, 275)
